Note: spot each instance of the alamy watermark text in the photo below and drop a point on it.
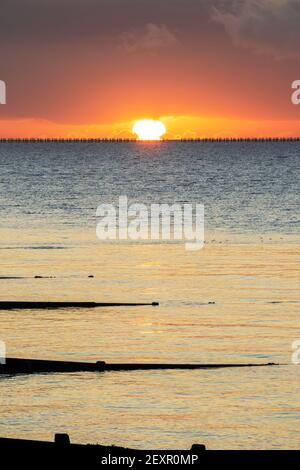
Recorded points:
(154, 222)
(2, 92)
(2, 353)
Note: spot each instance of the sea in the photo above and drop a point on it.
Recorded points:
(235, 300)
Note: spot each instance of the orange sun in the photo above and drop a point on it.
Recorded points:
(148, 129)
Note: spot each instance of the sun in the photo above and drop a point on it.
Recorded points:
(148, 129)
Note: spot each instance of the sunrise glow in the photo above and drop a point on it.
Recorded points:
(148, 129)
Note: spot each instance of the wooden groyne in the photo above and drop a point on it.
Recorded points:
(63, 440)
(63, 454)
(14, 366)
(21, 305)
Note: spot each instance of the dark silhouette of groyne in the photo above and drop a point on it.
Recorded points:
(14, 366)
(24, 305)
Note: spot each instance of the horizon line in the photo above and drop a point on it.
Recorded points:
(116, 139)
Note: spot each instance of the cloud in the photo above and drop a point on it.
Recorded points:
(152, 38)
(266, 26)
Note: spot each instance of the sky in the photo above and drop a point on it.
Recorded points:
(91, 68)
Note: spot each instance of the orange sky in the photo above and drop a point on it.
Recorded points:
(177, 127)
(203, 68)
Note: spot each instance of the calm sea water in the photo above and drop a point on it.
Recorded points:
(249, 267)
(245, 187)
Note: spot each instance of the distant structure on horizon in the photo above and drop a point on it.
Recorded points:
(197, 139)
